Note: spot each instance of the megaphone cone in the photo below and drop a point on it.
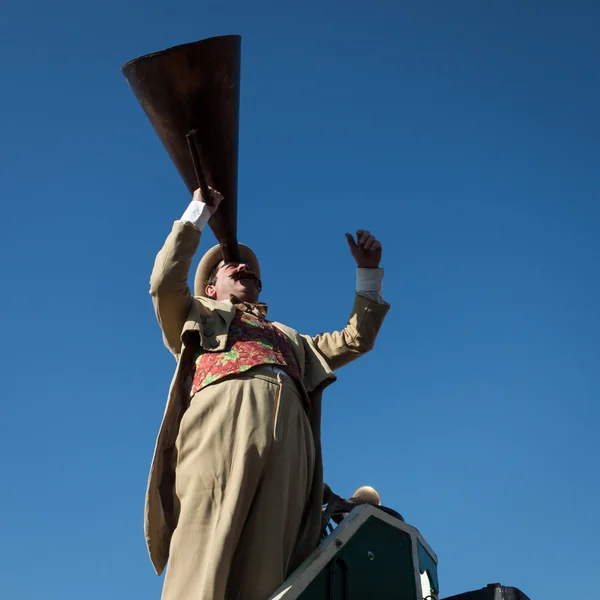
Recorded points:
(197, 87)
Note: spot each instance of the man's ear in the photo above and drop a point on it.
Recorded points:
(211, 291)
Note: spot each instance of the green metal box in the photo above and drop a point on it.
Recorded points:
(370, 555)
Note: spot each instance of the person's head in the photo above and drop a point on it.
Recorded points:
(237, 279)
(219, 281)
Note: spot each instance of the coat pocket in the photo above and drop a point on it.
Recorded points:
(278, 408)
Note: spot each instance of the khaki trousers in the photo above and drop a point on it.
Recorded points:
(245, 459)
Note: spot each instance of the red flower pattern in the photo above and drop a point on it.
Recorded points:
(251, 342)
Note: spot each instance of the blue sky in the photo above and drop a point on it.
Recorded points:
(463, 134)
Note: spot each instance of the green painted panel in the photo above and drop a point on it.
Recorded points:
(379, 565)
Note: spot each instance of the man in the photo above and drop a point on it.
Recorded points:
(235, 489)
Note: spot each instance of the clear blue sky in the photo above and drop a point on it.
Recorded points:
(465, 135)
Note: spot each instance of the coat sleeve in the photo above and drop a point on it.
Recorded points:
(358, 337)
(171, 295)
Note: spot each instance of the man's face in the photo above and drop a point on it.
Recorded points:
(236, 279)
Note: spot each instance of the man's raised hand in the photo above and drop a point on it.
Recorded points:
(215, 199)
(366, 250)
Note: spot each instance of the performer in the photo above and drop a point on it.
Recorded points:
(236, 484)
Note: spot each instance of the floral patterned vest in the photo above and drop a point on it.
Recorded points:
(251, 342)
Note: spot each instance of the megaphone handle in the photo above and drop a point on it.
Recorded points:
(193, 145)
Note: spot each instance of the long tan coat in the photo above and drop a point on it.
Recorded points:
(188, 323)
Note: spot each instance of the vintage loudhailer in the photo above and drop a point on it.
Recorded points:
(190, 93)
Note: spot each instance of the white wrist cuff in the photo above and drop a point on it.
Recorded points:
(369, 280)
(197, 213)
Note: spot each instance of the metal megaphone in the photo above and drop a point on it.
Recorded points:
(191, 95)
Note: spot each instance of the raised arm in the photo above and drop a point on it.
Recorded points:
(171, 295)
(369, 310)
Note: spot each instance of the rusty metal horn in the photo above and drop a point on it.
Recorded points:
(191, 94)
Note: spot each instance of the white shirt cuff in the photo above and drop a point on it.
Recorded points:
(369, 280)
(197, 214)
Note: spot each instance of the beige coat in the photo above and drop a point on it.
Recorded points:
(189, 323)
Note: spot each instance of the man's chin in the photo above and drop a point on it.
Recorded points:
(247, 293)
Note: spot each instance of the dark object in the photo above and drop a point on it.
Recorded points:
(196, 88)
(344, 568)
(374, 560)
(493, 591)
